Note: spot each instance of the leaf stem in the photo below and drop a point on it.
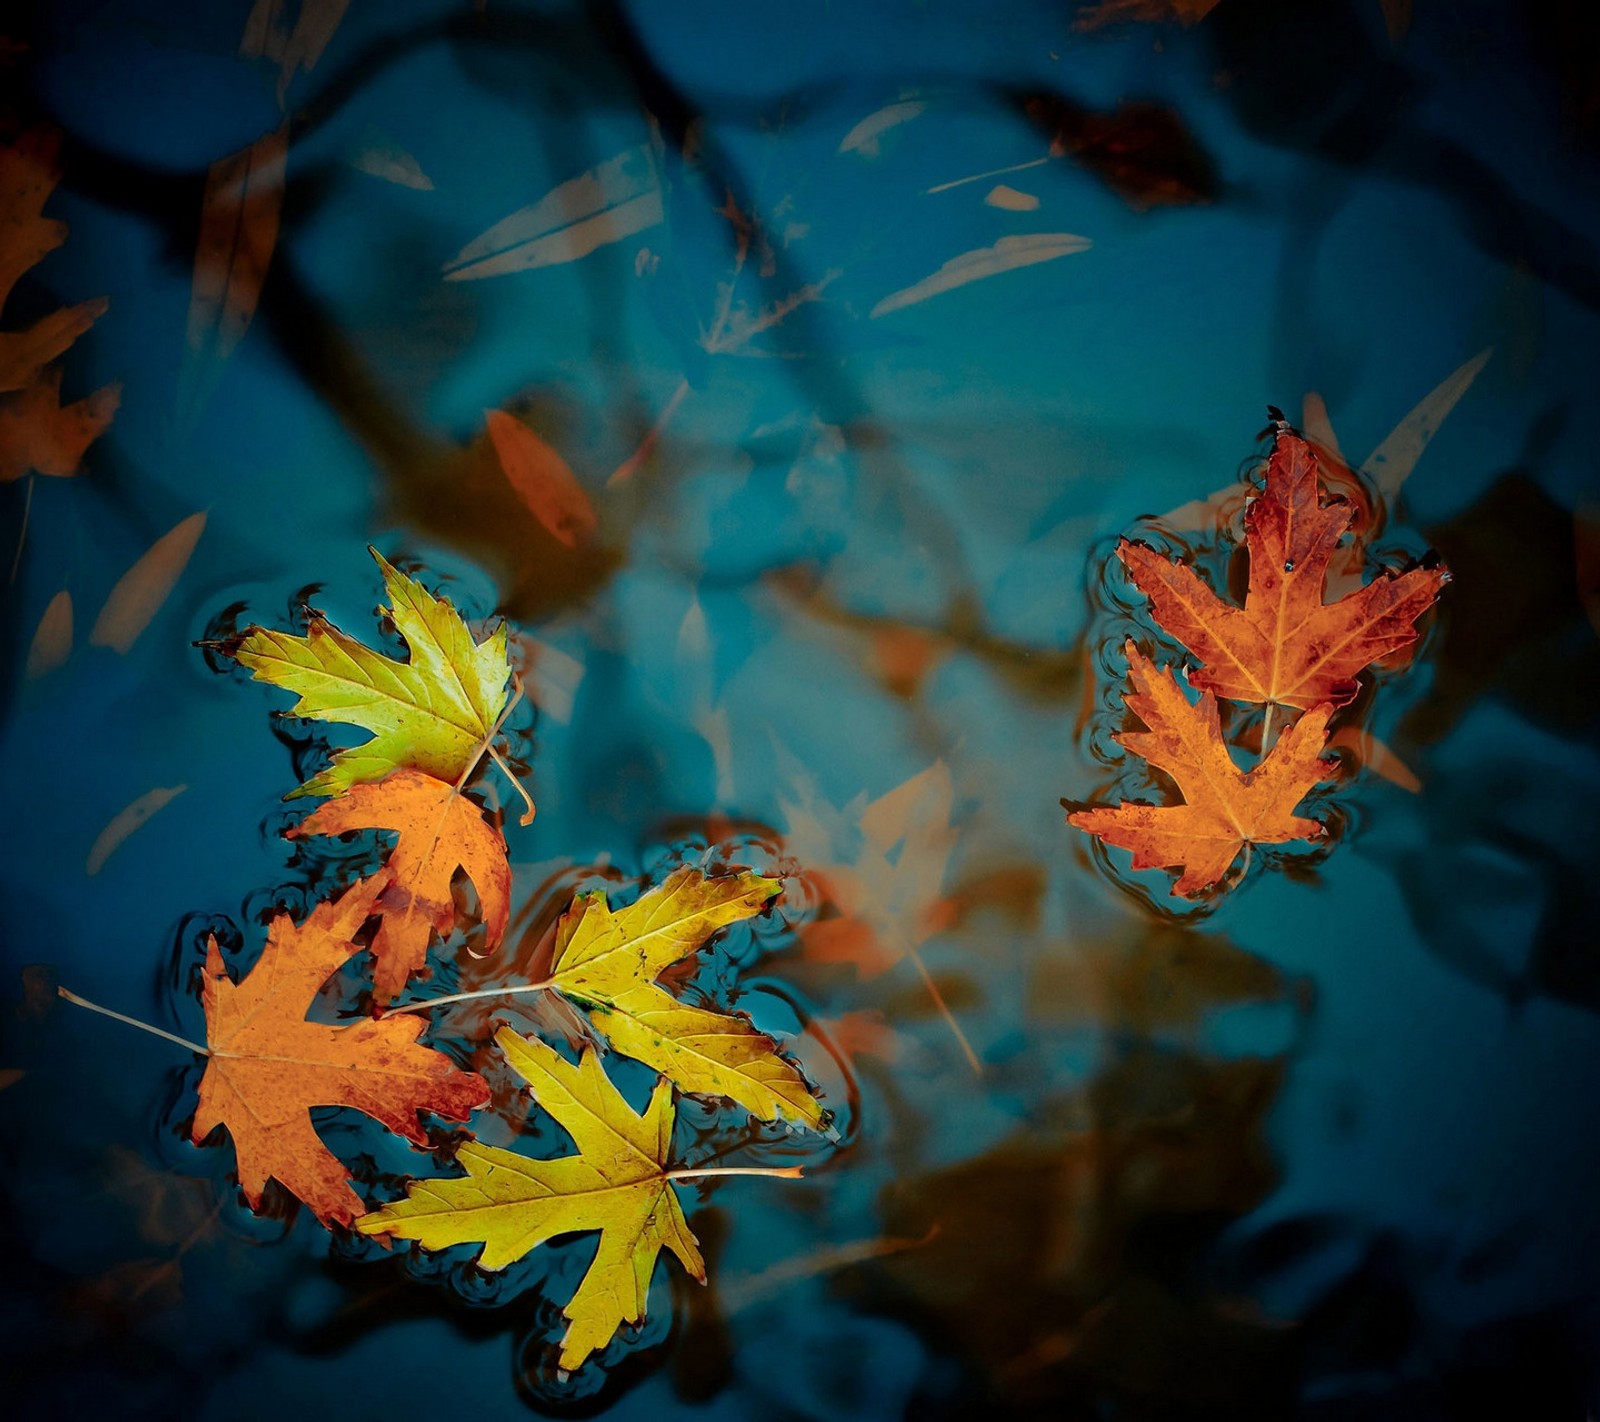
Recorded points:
(432, 1002)
(1267, 719)
(516, 785)
(494, 730)
(787, 1172)
(132, 1021)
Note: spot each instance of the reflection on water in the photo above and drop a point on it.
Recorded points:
(855, 342)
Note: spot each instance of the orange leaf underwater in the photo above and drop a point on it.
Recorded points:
(1285, 645)
(440, 831)
(1224, 807)
(268, 1066)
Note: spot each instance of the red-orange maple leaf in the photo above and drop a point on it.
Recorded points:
(1224, 807)
(440, 831)
(268, 1066)
(1285, 644)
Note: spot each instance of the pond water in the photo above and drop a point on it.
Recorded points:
(846, 609)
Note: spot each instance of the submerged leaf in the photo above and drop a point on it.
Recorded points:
(542, 479)
(39, 434)
(863, 138)
(125, 822)
(1006, 255)
(268, 1066)
(617, 1183)
(24, 353)
(238, 232)
(1389, 465)
(52, 641)
(432, 713)
(619, 198)
(140, 591)
(1223, 807)
(440, 830)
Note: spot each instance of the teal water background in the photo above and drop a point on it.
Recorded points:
(1327, 1151)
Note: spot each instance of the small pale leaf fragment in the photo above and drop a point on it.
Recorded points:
(1008, 254)
(1008, 199)
(381, 157)
(52, 641)
(619, 198)
(863, 138)
(126, 821)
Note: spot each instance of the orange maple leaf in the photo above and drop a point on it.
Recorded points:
(1224, 807)
(268, 1066)
(440, 831)
(1286, 645)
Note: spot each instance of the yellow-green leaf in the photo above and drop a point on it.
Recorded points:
(608, 961)
(618, 1183)
(431, 713)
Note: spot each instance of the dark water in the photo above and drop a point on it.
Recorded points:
(1325, 1149)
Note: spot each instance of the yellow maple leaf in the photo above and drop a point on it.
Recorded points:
(433, 713)
(608, 960)
(618, 1183)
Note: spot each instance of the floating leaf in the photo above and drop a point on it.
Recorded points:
(432, 713)
(608, 961)
(140, 591)
(1285, 645)
(40, 435)
(52, 641)
(1223, 807)
(542, 479)
(1008, 254)
(126, 821)
(618, 1183)
(618, 199)
(440, 830)
(268, 1066)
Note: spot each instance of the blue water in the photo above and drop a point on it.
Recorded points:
(1326, 1149)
